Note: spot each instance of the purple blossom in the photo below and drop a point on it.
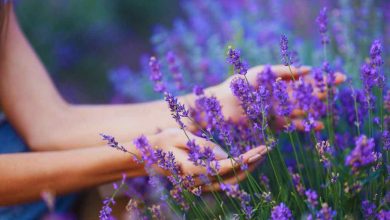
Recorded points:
(303, 95)
(166, 160)
(309, 123)
(156, 75)
(233, 191)
(363, 154)
(298, 183)
(311, 197)
(319, 79)
(375, 53)
(280, 93)
(386, 140)
(234, 58)
(156, 212)
(370, 71)
(330, 74)
(322, 21)
(281, 212)
(266, 77)
(213, 116)
(324, 150)
(368, 209)
(284, 50)
(105, 212)
(147, 153)
(175, 70)
(114, 144)
(383, 215)
(201, 157)
(348, 98)
(387, 101)
(326, 212)
(198, 90)
(178, 111)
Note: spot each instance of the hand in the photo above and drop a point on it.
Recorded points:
(231, 106)
(175, 141)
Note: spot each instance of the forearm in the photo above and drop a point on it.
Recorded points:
(25, 175)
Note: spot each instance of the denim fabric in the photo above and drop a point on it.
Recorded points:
(10, 142)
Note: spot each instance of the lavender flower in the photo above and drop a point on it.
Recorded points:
(281, 212)
(311, 197)
(198, 90)
(383, 215)
(322, 21)
(298, 183)
(178, 111)
(324, 150)
(114, 144)
(283, 107)
(147, 153)
(368, 209)
(375, 54)
(326, 212)
(363, 154)
(284, 50)
(319, 79)
(330, 74)
(174, 68)
(386, 140)
(233, 191)
(204, 158)
(303, 95)
(156, 212)
(370, 71)
(105, 212)
(234, 58)
(387, 101)
(156, 75)
(266, 77)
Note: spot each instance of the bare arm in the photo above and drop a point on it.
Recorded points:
(46, 122)
(25, 175)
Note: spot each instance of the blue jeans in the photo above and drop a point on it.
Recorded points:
(10, 142)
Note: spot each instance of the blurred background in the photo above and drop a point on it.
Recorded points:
(96, 51)
(81, 41)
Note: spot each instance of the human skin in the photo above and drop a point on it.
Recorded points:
(69, 154)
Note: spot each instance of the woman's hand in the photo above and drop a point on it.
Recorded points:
(175, 141)
(231, 105)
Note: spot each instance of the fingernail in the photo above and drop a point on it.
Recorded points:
(254, 158)
(219, 153)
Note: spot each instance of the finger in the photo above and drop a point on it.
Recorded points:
(300, 125)
(279, 70)
(216, 186)
(287, 73)
(296, 113)
(253, 155)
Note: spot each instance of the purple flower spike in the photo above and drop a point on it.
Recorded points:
(284, 107)
(368, 209)
(326, 212)
(370, 71)
(284, 50)
(178, 111)
(234, 58)
(281, 212)
(363, 154)
(322, 21)
(147, 153)
(311, 197)
(174, 68)
(386, 140)
(156, 75)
